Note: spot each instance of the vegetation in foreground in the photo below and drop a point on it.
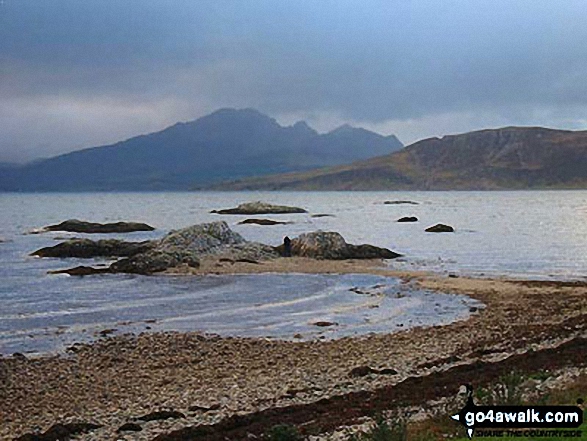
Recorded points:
(512, 389)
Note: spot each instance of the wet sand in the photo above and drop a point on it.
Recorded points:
(208, 378)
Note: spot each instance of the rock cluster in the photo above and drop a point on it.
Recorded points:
(331, 245)
(259, 207)
(181, 247)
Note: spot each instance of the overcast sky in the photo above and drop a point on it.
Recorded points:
(75, 73)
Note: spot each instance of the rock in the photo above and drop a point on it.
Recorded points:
(408, 219)
(19, 356)
(259, 207)
(154, 261)
(324, 324)
(77, 226)
(162, 415)
(360, 371)
(81, 271)
(107, 332)
(364, 370)
(197, 408)
(440, 228)
(400, 202)
(262, 222)
(129, 427)
(331, 245)
(322, 215)
(186, 246)
(60, 432)
(86, 248)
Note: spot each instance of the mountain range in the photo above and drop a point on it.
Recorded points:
(493, 159)
(225, 145)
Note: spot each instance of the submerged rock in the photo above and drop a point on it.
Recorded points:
(81, 271)
(408, 219)
(86, 248)
(78, 226)
(262, 222)
(259, 207)
(331, 245)
(440, 228)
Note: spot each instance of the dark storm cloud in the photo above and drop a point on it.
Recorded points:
(78, 73)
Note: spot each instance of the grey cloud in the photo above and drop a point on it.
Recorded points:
(383, 64)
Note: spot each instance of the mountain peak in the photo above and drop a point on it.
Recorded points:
(342, 129)
(303, 127)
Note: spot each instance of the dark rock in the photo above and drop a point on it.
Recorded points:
(129, 427)
(331, 245)
(325, 324)
(107, 332)
(440, 228)
(77, 226)
(154, 261)
(323, 215)
(81, 271)
(401, 202)
(19, 356)
(262, 222)
(60, 432)
(364, 370)
(86, 248)
(197, 408)
(408, 219)
(360, 371)
(259, 207)
(162, 415)
(473, 309)
(245, 260)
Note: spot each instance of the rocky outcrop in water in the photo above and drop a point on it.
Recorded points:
(77, 226)
(408, 219)
(331, 245)
(259, 207)
(400, 203)
(262, 222)
(440, 228)
(86, 248)
(188, 245)
(81, 271)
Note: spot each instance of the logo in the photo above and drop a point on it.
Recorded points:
(516, 417)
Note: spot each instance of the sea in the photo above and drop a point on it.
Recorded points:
(538, 235)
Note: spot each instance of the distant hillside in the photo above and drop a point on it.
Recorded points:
(227, 144)
(507, 158)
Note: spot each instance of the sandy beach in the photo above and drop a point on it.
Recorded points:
(206, 379)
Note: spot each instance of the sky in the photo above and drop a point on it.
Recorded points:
(76, 74)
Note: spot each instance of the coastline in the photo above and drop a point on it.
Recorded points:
(114, 380)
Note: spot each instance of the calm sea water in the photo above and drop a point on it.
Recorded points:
(538, 235)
